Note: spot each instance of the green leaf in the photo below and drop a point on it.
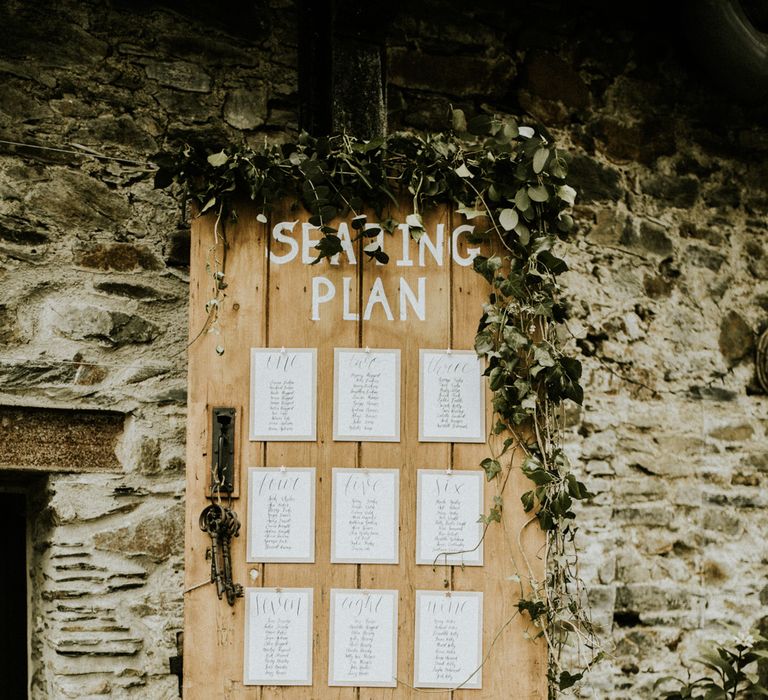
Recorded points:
(484, 343)
(508, 219)
(567, 194)
(463, 171)
(358, 222)
(491, 468)
(208, 205)
(218, 159)
(540, 159)
(538, 193)
(459, 120)
(568, 680)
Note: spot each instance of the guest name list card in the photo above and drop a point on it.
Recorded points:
(366, 395)
(364, 524)
(278, 636)
(451, 396)
(448, 645)
(363, 638)
(448, 507)
(281, 510)
(283, 394)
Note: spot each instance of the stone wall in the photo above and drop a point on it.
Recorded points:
(669, 285)
(93, 313)
(668, 288)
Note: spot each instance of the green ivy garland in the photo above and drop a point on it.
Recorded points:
(511, 180)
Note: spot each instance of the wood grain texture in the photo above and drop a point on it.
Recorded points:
(268, 305)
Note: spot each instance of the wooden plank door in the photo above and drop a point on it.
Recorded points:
(268, 304)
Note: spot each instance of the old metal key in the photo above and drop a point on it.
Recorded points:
(211, 520)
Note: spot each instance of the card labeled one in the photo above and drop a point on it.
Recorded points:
(364, 523)
(451, 396)
(281, 515)
(448, 647)
(283, 394)
(363, 638)
(278, 636)
(448, 507)
(366, 395)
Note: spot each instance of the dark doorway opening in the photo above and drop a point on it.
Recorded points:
(13, 596)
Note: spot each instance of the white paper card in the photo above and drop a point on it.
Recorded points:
(283, 394)
(451, 396)
(448, 646)
(366, 395)
(364, 523)
(278, 636)
(281, 515)
(448, 506)
(363, 638)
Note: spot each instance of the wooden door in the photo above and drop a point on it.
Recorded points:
(268, 302)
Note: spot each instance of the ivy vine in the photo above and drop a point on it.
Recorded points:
(510, 180)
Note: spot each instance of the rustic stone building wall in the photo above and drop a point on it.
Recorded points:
(93, 313)
(669, 285)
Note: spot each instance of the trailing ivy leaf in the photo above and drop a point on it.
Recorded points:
(567, 680)
(358, 222)
(543, 357)
(483, 343)
(577, 489)
(208, 205)
(463, 171)
(528, 500)
(381, 257)
(567, 194)
(218, 159)
(163, 178)
(526, 132)
(491, 468)
(554, 264)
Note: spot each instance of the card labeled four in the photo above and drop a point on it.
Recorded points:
(448, 507)
(278, 636)
(364, 521)
(283, 394)
(448, 644)
(366, 395)
(363, 638)
(281, 515)
(451, 396)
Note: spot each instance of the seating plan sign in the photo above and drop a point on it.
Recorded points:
(358, 418)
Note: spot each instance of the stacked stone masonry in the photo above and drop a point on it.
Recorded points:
(668, 288)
